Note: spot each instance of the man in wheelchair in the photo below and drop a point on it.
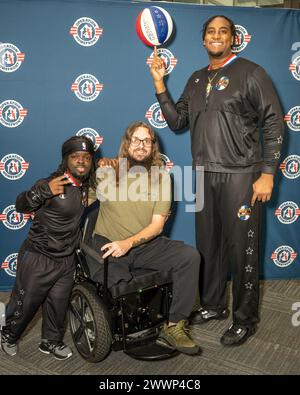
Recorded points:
(135, 199)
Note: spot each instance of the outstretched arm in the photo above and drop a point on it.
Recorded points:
(31, 200)
(176, 115)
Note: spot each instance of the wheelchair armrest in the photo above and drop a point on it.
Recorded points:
(91, 252)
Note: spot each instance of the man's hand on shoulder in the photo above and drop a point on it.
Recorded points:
(107, 162)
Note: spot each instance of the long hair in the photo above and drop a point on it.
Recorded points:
(155, 158)
(231, 23)
(89, 181)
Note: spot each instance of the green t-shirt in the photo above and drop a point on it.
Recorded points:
(127, 208)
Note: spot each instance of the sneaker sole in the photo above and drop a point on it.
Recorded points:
(10, 355)
(56, 357)
(44, 352)
(185, 350)
(5, 352)
(63, 358)
(241, 341)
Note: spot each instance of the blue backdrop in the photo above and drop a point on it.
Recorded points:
(70, 67)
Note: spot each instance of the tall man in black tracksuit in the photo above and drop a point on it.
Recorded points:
(46, 260)
(224, 105)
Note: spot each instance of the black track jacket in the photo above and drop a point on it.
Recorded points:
(225, 129)
(55, 230)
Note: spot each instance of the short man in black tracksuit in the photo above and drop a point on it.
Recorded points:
(224, 105)
(46, 260)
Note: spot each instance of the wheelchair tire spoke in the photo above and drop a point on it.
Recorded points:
(74, 309)
(78, 334)
(88, 343)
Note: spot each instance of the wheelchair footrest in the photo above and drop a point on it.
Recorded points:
(150, 351)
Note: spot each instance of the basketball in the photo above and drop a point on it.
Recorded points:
(154, 26)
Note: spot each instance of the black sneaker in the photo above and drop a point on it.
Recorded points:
(8, 347)
(237, 335)
(201, 316)
(59, 350)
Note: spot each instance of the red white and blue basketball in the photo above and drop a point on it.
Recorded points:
(154, 26)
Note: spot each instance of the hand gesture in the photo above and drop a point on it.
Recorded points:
(158, 68)
(262, 188)
(57, 184)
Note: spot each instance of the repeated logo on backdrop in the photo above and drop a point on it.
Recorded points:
(287, 212)
(10, 264)
(12, 219)
(242, 39)
(283, 256)
(155, 116)
(292, 119)
(167, 162)
(86, 31)
(86, 87)
(12, 113)
(13, 166)
(11, 57)
(295, 68)
(168, 58)
(290, 167)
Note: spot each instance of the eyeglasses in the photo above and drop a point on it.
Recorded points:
(135, 141)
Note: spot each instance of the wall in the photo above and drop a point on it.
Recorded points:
(39, 110)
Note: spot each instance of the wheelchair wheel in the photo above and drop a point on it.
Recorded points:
(89, 326)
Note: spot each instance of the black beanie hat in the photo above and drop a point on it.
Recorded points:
(77, 143)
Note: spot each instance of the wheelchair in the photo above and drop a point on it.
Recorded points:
(127, 316)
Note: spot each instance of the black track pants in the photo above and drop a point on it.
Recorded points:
(166, 255)
(40, 281)
(229, 240)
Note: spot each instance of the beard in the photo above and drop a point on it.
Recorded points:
(80, 177)
(147, 162)
(215, 55)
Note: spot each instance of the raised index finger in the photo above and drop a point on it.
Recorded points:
(155, 50)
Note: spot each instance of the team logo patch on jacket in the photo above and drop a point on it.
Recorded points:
(222, 83)
(244, 212)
